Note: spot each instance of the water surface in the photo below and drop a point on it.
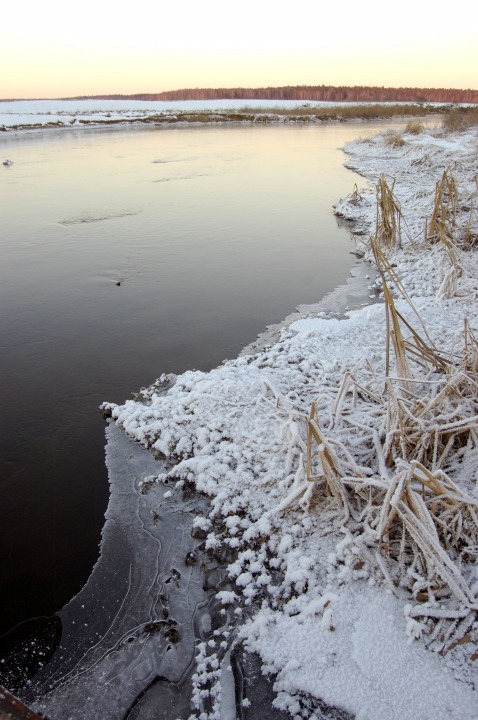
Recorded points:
(125, 253)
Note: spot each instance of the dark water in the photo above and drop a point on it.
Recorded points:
(126, 253)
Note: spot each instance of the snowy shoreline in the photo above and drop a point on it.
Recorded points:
(337, 620)
(23, 115)
(34, 115)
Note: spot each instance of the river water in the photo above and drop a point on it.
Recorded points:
(126, 253)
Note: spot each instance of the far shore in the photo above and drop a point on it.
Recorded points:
(25, 115)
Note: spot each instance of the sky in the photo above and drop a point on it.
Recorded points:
(52, 48)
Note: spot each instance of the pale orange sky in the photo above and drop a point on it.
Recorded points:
(55, 49)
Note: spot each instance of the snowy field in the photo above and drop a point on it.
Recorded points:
(343, 475)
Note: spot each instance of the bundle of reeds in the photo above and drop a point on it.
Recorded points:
(406, 516)
(394, 489)
(444, 210)
(387, 227)
(442, 229)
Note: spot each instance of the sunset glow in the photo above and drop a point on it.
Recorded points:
(53, 49)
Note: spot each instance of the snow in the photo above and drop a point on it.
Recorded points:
(329, 627)
(362, 663)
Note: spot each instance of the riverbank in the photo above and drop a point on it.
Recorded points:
(22, 115)
(341, 461)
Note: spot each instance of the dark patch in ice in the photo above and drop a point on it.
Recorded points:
(253, 691)
(26, 649)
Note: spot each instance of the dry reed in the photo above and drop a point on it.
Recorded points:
(388, 216)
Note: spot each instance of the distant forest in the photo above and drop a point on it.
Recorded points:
(307, 92)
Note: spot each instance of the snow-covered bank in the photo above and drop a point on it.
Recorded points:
(41, 114)
(346, 481)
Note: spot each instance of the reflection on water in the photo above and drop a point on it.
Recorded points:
(212, 234)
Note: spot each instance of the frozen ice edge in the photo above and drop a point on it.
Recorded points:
(355, 293)
(149, 616)
(129, 637)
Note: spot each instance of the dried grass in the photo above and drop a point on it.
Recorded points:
(349, 111)
(421, 523)
(330, 469)
(356, 197)
(460, 118)
(394, 139)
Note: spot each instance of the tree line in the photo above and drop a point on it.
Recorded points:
(327, 93)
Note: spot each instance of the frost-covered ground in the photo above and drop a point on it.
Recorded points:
(355, 538)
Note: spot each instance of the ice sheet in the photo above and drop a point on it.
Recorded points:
(134, 625)
(148, 623)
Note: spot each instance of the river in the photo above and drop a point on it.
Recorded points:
(125, 253)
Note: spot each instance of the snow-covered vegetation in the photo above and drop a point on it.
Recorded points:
(342, 460)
